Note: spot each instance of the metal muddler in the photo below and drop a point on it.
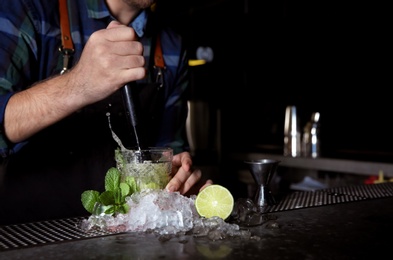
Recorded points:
(130, 108)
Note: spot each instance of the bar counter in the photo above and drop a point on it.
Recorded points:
(341, 223)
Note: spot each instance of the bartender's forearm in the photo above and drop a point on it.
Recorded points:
(111, 58)
(38, 107)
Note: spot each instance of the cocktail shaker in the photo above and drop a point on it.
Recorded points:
(292, 135)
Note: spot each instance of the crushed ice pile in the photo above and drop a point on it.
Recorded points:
(167, 214)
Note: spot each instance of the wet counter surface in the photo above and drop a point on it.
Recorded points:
(357, 229)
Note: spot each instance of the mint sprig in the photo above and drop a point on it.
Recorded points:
(113, 199)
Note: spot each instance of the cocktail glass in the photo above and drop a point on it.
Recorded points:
(262, 172)
(140, 170)
(151, 168)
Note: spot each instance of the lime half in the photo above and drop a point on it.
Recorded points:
(214, 200)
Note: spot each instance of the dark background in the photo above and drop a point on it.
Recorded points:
(330, 57)
(322, 56)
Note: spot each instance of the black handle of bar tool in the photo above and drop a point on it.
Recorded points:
(130, 108)
(129, 103)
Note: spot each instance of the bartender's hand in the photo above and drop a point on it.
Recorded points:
(111, 58)
(184, 175)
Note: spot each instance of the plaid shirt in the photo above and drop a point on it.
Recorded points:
(29, 52)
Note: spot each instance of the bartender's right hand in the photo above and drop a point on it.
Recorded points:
(111, 58)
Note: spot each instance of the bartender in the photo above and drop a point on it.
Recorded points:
(56, 101)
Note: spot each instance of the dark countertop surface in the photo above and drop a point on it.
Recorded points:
(359, 229)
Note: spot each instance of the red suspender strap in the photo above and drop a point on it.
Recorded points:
(67, 46)
(158, 58)
(66, 38)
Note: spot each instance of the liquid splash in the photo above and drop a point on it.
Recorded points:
(115, 137)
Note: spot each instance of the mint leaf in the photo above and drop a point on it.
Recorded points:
(118, 197)
(125, 189)
(89, 199)
(123, 208)
(107, 198)
(113, 199)
(110, 210)
(132, 183)
(112, 179)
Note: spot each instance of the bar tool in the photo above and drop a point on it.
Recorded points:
(262, 172)
(130, 108)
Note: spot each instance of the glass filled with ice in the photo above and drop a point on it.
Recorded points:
(150, 168)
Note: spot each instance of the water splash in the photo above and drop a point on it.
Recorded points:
(115, 137)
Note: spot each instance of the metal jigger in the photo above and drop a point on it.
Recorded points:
(262, 171)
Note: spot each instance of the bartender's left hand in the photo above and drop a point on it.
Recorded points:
(184, 175)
